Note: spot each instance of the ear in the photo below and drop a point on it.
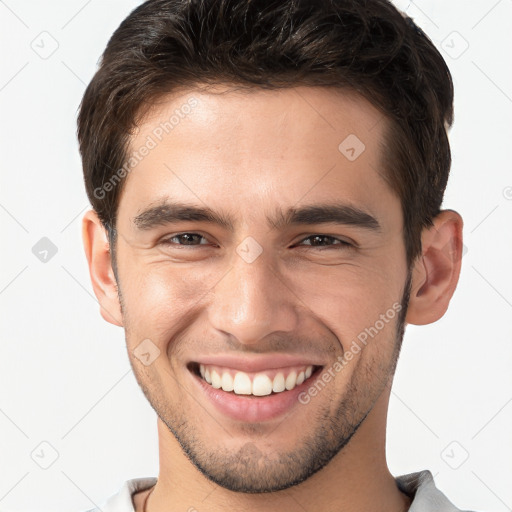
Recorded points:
(97, 251)
(436, 272)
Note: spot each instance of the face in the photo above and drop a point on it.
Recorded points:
(295, 268)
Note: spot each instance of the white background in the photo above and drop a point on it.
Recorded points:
(65, 378)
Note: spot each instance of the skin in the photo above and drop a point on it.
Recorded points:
(247, 153)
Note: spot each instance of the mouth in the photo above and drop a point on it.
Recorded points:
(259, 384)
(252, 390)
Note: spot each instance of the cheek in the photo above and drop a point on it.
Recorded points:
(364, 320)
(373, 327)
(157, 296)
(368, 354)
(349, 299)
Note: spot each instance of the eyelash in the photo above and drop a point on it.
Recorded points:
(342, 244)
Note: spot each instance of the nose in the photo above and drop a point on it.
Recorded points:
(253, 301)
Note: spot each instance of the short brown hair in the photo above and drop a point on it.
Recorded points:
(367, 46)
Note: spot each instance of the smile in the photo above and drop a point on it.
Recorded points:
(255, 383)
(255, 389)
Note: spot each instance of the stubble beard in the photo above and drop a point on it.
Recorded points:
(252, 470)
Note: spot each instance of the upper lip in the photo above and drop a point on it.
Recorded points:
(256, 363)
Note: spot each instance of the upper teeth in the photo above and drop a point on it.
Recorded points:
(259, 384)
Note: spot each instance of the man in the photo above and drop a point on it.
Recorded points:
(266, 180)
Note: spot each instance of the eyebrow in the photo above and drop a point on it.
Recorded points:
(171, 212)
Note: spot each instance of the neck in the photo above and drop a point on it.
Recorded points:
(355, 480)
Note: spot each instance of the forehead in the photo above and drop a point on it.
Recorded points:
(247, 151)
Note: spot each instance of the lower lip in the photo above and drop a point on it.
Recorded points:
(250, 408)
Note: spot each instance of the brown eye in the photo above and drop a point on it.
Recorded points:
(184, 239)
(317, 241)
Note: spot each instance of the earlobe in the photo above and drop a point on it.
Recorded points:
(97, 252)
(436, 271)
